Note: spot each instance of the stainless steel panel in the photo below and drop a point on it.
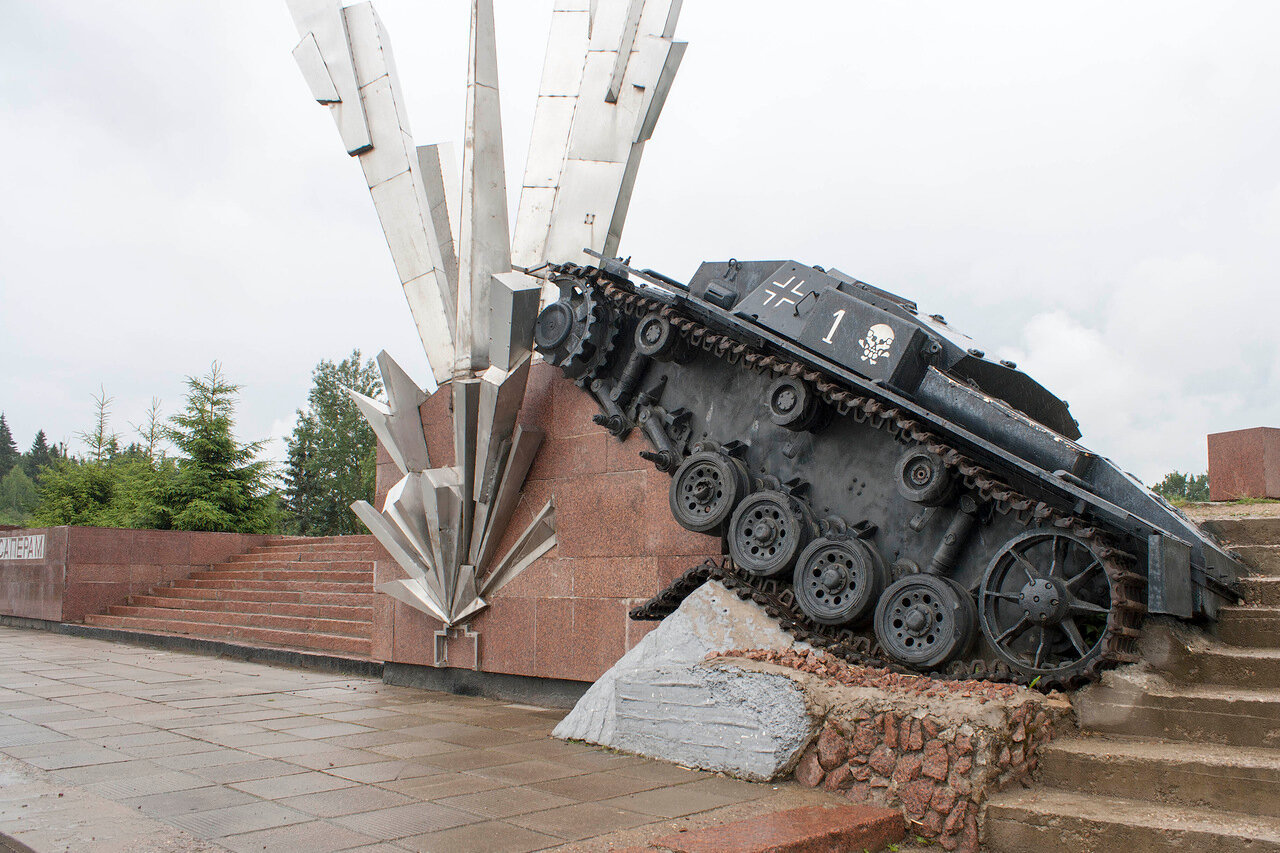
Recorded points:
(433, 171)
(552, 123)
(513, 311)
(625, 42)
(311, 64)
(323, 20)
(566, 52)
(524, 447)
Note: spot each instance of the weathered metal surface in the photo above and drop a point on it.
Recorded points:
(1003, 547)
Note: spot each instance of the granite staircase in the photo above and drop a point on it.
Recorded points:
(303, 593)
(1186, 757)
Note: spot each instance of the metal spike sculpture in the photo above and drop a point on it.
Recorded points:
(608, 68)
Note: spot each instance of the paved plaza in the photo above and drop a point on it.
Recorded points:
(111, 747)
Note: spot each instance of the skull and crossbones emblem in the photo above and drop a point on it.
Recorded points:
(876, 344)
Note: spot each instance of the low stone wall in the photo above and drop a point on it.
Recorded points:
(76, 571)
(935, 749)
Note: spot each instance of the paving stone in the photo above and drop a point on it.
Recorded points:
(469, 759)
(143, 786)
(489, 837)
(235, 820)
(581, 820)
(107, 772)
(670, 802)
(316, 836)
(345, 801)
(385, 771)
(505, 802)
(278, 787)
(403, 821)
(412, 748)
(524, 772)
(441, 785)
(175, 803)
(243, 771)
(202, 759)
(593, 787)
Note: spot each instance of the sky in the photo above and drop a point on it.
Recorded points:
(1089, 189)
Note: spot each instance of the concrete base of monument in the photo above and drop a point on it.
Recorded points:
(719, 686)
(661, 701)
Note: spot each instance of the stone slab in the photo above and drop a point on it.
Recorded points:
(813, 829)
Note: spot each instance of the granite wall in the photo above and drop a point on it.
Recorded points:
(85, 570)
(566, 615)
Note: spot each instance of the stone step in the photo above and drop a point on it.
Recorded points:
(293, 558)
(1265, 559)
(347, 539)
(1202, 714)
(1246, 531)
(297, 565)
(1254, 627)
(1230, 666)
(305, 576)
(358, 646)
(266, 596)
(803, 830)
(1262, 590)
(278, 608)
(1069, 822)
(319, 586)
(338, 627)
(1202, 775)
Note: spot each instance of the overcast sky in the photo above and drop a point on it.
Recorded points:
(1091, 189)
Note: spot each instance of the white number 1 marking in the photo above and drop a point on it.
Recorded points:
(839, 315)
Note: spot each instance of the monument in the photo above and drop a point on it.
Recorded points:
(915, 548)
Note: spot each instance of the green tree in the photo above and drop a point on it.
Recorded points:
(332, 452)
(218, 483)
(109, 488)
(9, 455)
(1177, 487)
(123, 491)
(101, 440)
(40, 456)
(18, 497)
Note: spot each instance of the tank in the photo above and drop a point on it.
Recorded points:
(878, 483)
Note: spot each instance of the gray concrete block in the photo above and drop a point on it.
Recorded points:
(659, 700)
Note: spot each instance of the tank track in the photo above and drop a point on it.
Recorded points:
(1124, 619)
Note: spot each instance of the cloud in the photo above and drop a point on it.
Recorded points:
(1092, 190)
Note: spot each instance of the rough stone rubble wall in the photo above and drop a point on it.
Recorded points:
(938, 773)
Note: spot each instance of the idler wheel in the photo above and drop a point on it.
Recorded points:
(1045, 604)
(837, 581)
(553, 326)
(705, 489)
(768, 531)
(656, 338)
(923, 477)
(792, 403)
(575, 334)
(925, 620)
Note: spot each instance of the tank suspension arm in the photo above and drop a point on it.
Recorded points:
(953, 541)
(637, 364)
(613, 419)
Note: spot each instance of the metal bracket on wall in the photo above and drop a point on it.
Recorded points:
(464, 631)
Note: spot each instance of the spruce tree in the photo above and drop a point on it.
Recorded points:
(38, 457)
(332, 453)
(9, 455)
(218, 484)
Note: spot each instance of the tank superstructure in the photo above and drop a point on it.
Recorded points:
(901, 496)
